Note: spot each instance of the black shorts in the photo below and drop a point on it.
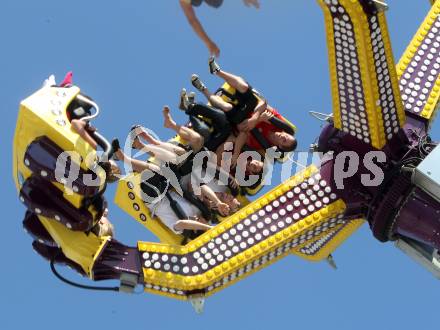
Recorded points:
(154, 186)
(247, 102)
(212, 3)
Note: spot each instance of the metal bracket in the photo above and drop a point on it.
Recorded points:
(331, 261)
(436, 258)
(128, 283)
(380, 5)
(198, 303)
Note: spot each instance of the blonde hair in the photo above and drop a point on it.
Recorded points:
(104, 229)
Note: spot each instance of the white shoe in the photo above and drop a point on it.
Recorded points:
(49, 82)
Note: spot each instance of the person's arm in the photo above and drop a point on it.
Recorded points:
(210, 195)
(232, 182)
(190, 14)
(182, 225)
(240, 141)
(250, 123)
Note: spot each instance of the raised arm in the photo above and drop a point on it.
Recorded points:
(209, 194)
(190, 14)
(249, 124)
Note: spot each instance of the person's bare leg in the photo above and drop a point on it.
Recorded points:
(79, 126)
(235, 81)
(191, 225)
(141, 133)
(194, 139)
(138, 166)
(156, 145)
(164, 145)
(168, 121)
(172, 148)
(137, 144)
(217, 102)
(162, 153)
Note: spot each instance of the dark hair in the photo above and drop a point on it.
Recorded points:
(292, 147)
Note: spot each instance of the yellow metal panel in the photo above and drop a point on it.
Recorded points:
(169, 281)
(225, 275)
(366, 98)
(79, 247)
(330, 32)
(419, 68)
(44, 114)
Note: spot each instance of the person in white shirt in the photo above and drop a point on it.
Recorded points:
(163, 204)
(163, 210)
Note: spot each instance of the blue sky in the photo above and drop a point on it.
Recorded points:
(133, 57)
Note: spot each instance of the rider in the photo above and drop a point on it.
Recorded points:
(187, 7)
(249, 112)
(221, 136)
(173, 210)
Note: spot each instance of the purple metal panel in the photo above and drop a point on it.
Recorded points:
(387, 207)
(351, 93)
(35, 228)
(41, 158)
(302, 200)
(115, 259)
(418, 80)
(419, 219)
(43, 198)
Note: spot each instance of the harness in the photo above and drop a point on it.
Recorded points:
(243, 109)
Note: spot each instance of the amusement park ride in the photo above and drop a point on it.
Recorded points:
(378, 106)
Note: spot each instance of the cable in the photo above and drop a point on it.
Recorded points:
(77, 285)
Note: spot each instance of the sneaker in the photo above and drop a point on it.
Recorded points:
(134, 135)
(192, 97)
(183, 104)
(115, 145)
(49, 82)
(213, 66)
(135, 127)
(197, 83)
(68, 80)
